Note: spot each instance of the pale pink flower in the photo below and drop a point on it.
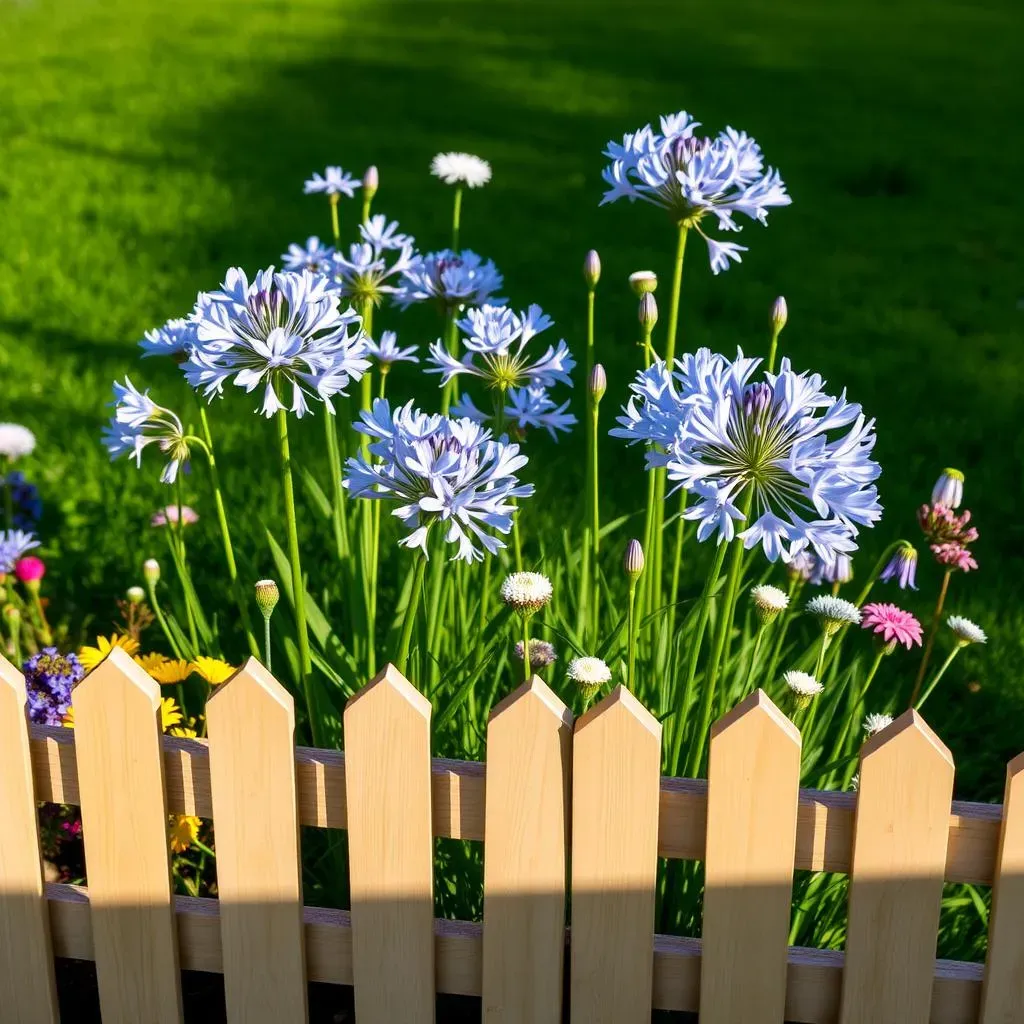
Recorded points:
(954, 556)
(892, 624)
(169, 514)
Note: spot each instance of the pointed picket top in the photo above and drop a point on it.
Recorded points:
(11, 678)
(391, 687)
(252, 685)
(910, 731)
(757, 710)
(121, 673)
(620, 702)
(533, 691)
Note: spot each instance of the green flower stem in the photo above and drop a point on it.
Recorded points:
(938, 675)
(677, 560)
(646, 591)
(631, 638)
(677, 284)
(337, 491)
(747, 685)
(773, 349)
(456, 218)
(450, 391)
(516, 543)
(298, 584)
(333, 200)
(793, 591)
(933, 628)
(645, 342)
(14, 632)
(595, 517)
(158, 612)
(45, 634)
(526, 648)
(225, 533)
(179, 530)
(266, 643)
(819, 664)
(364, 216)
(410, 613)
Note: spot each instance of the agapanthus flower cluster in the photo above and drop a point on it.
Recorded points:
(818, 572)
(139, 422)
(333, 182)
(49, 678)
(452, 279)
(176, 339)
(694, 177)
(285, 332)
(383, 255)
(440, 472)
(797, 457)
(14, 544)
(314, 256)
(525, 409)
(25, 501)
(949, 535)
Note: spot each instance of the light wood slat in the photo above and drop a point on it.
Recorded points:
(616, 759)
(529, 760)
(1003, 992)
(906, 784)
(812, 994)
(251, 722)
(27, 991)
(387, 768)
(824, 821)
(124, 825)
(753, 779)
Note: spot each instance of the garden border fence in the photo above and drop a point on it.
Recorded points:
(573, 813)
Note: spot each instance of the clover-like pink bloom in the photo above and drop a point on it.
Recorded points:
(954, 556)
(163, 516)
(29, 569)
(892, 624)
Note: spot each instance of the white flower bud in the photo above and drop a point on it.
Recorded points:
(592, 269)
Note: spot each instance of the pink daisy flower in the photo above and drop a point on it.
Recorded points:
(892, 624)
(169, 514)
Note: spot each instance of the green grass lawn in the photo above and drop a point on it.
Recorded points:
(145, 148)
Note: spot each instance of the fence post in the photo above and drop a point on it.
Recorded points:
(899, 860)
(529, 738)
(27, 992)
(1002, 993)
(251, 722)
(753, 787)
(391, 861)
(615, 796)
(124, 825)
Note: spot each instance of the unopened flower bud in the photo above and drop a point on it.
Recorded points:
(13, 619)
(598, 382)
(902, 567)
(648, 312)
(151, 571)
(592, 269)
(542, 653)
(633, 562)
(267, 596)
(949, 489)
(643, 281)
(371, 182)
(780, 314)
(135, 595)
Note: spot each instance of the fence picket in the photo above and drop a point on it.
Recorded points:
(529, 738)
(387, 787)
(251, 722)
(124, 823)
(753, 783)
(1002, 993)
(615, 796)
(26, 960)
(899, 858)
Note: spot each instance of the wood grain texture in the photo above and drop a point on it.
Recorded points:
(251, 722)
(27, 992)
(529, 762)
(124, 824)
(616, 759)
(1002, 1000)
(387, 783)
(753, 780)
(899, 855)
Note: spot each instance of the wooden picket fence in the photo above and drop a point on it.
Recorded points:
(573, 814)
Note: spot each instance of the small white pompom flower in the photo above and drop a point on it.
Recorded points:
(802, 686)
(833, 612)
(542, 653)
(966, 632)
(456, 168)
(16, 440)
(589, 674)
(768, 601)
(526, 592)
(875, 723)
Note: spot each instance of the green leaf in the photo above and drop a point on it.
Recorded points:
(315, 493)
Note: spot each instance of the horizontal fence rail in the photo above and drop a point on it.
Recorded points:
(571, 814)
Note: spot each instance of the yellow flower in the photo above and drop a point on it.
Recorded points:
(171, 672)
(213, 670)
(170, 713)
(69, 719)
(184, 832)
(183, 732)
(90, 657)
(150, 662)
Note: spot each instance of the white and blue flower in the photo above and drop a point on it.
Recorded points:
(453, 279)
(177, 339)
(525, 409)
(333, 182)
(387, 351)
(314, 256)
(363, 274)
(139, 422)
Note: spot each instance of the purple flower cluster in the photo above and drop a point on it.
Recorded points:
(49, 679)
(27, 507)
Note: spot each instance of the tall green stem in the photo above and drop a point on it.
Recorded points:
(266, 643)
(179, 531)
(929, 643)
(450, 391)
(753, 660)
(631, 638)
(677, 284)
(335, 228)
(298, 584)
(938, 675)
(456, 218)
(526, 648)
(337, 490)
(595, 519)
(677, 559)
(773, 348)
(410, 613)
(364, 217)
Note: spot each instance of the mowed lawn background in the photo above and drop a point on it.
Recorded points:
(146, 147)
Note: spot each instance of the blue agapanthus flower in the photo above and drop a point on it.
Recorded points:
(453, 279)
(525, 409)
(49, 679)
(285, 332)
(383, 255)
(314, 256)
(495, 340)
(387, 351)
(798, 455)
(139, 422)
(333, 182)
(442, 472)
(14, 544)
(25, 501)
(176, 339)
(694, 177)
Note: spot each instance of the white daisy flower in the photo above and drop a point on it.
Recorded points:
(464, 168)
(589, 674)
(16, 440)
(526, 592)
(875, 723)
(768, 601)
(966, 631)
